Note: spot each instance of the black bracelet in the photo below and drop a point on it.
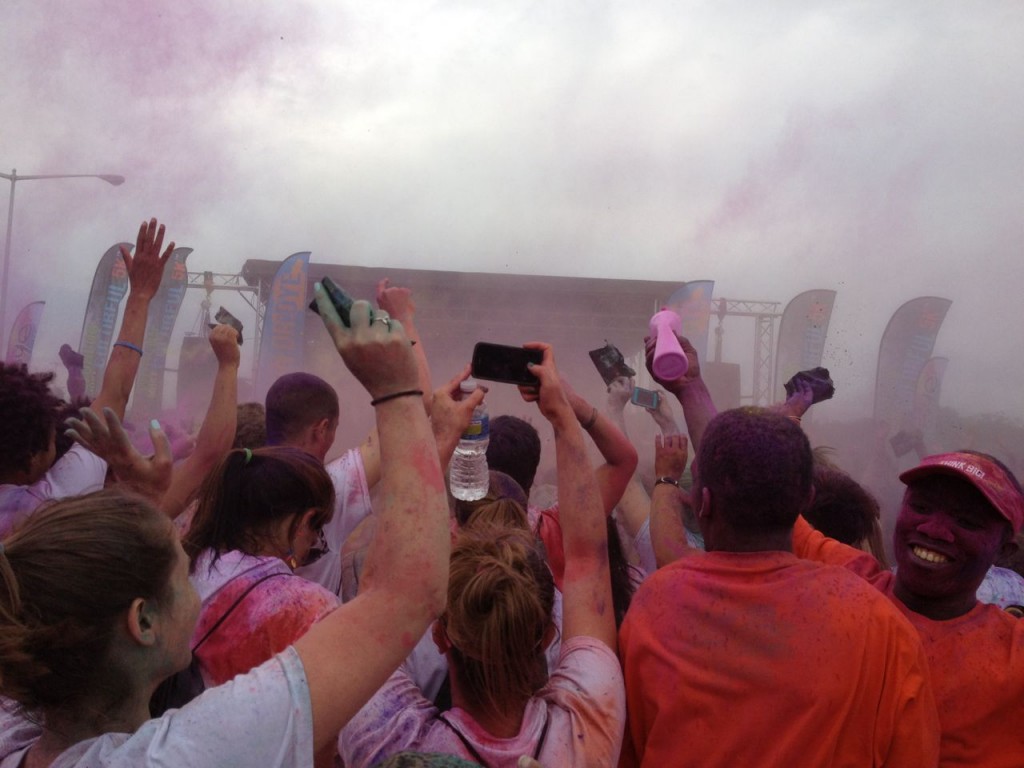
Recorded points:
(667, 481)
(405, 393)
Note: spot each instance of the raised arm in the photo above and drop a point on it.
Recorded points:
(449, 416)
(145, 270)
(587, 592)
(689, 389)
(396, 302)
(668, 535)
(218, 430)
(103, 434)
(351, 652)
(619, 454)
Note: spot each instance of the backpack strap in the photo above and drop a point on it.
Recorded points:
(234, 605)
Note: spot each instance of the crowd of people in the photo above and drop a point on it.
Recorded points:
(244, 601)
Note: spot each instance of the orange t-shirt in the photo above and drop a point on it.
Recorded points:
(976, 662)
(765, 659)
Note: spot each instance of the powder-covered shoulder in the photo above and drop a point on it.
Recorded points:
(261, 718)
(16, 733)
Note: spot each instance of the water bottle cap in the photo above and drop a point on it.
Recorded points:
(468, 386)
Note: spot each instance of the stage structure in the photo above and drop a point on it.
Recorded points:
(456, 309)
(765, 314)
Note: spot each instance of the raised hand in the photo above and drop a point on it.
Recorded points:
(146, 267)
(395, 300)
(106, 437)
(224, 341)
(449, 416)
(796, 405)
(663, 415)
(377, 352)
(619, 392)
(692, 374)
(670, 455)
(550, 395)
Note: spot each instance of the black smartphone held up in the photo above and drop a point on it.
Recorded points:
(497, 362)
(820, 381)
(342, 301)
(645, 398)
(223, 317)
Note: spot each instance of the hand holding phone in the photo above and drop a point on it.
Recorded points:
(645, 398)
(497, 362)
(342, 301)
(223, 317)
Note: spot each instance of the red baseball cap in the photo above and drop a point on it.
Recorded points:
(992, 480)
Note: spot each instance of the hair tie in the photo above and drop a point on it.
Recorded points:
(395, 395)
(129, 345)
(248, 456)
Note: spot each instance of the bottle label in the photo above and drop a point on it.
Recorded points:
(477, 429)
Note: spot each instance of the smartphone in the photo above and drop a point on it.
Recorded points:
(342, 301)
(223, 317)
(610, 363)
(645, 398)
(497, 362)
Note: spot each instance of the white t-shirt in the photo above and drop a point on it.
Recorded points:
(77, 471)
(581, 713)
(1001, 587)
(261, 718)
(351, 507)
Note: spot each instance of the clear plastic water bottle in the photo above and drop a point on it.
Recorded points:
(467, 474)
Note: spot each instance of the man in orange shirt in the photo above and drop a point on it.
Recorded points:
(961, 511)
(748, 655)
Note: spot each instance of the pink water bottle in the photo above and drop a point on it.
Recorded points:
(669, 360)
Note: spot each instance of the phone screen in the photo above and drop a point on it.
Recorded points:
(645, 398)
(497, 362)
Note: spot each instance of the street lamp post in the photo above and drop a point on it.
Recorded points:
(13, 177)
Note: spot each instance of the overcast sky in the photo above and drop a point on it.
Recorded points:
(874, 148)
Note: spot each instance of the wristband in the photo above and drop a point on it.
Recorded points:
(129, 345)
(395, 395)
(664, 480)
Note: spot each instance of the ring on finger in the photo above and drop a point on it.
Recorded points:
(385, 320)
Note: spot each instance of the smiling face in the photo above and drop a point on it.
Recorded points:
(947, 537)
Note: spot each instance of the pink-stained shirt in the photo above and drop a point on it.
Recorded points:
(583, 705)
(272, 617)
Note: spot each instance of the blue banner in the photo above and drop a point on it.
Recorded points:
(284, 324)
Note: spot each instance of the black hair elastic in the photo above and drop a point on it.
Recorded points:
(396, 395)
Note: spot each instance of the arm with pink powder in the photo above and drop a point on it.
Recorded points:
(351, 652)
